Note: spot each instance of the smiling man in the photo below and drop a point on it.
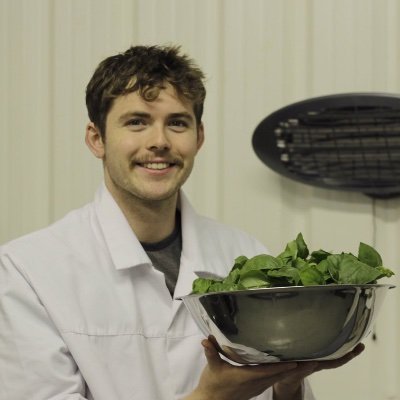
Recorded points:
(89, 306)
(148, 153)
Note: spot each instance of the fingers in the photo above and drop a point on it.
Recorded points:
(306, 368)
(358, 349)
(273, 368)
(331, 364)
(299, 373)
(348, 357)
(293, 371)
(215, 361)
(213, 358)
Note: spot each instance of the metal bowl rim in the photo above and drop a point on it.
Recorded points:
(285, 289)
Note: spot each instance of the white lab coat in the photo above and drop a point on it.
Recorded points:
(84, 315)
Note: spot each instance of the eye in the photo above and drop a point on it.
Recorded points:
(136, 123)
(178, 125)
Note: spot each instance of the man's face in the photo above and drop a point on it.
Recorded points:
(150, 147)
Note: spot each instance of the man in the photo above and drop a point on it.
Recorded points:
(88, 306)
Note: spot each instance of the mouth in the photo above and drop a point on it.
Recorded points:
(157, 165)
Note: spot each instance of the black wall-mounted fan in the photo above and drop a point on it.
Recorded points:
(344, 141)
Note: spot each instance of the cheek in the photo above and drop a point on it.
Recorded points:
(120, 149)
(115, 160)
(189, 147)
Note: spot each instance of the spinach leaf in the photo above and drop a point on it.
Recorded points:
(233, 277)
(302, 251)
(353, 271)
(261, 262)
(202, 285)
(385, 272)
(294, 249)
(311, 276)
(323, 268)
(254, 279)
(319, 255)
(369, 255)
(239, 262)
(296, 266)
(285, 276)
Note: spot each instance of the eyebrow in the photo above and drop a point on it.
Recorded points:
(185, 115)
(131, 114)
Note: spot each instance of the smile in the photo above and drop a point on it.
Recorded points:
(158, 165)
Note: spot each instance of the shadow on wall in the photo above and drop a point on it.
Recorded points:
(339, 200)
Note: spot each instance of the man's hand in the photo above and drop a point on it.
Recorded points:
(287, 386)
(221, 380)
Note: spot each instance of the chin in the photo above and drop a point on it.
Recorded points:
(159, 196)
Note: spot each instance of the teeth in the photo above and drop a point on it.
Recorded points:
(156, 165)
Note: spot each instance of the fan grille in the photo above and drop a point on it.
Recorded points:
(342, 146)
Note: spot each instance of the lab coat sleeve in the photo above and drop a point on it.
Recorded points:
(34, 361)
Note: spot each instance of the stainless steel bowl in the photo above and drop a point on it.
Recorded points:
(288, 323)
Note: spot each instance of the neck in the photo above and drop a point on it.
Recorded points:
(152, 221)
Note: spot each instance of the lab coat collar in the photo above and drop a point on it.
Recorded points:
(123, 245)
(125, 249)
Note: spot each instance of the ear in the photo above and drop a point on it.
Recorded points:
(94, 140)
(200, 136)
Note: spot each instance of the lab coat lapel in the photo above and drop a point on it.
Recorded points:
(192, 257)
(124, 247)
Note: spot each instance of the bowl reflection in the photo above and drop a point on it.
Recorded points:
(288, 323)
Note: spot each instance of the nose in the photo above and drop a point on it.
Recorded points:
(158, 139)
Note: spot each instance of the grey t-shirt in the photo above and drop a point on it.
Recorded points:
(166, 254)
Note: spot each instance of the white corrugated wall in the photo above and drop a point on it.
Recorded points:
(259, 55)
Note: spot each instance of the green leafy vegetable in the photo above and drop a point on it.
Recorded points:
(369, 255)
(295, 266)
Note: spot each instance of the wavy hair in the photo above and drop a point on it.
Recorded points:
(145, 69)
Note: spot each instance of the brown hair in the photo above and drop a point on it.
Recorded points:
(145, 69)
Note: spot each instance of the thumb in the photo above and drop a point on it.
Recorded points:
(211, 353)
